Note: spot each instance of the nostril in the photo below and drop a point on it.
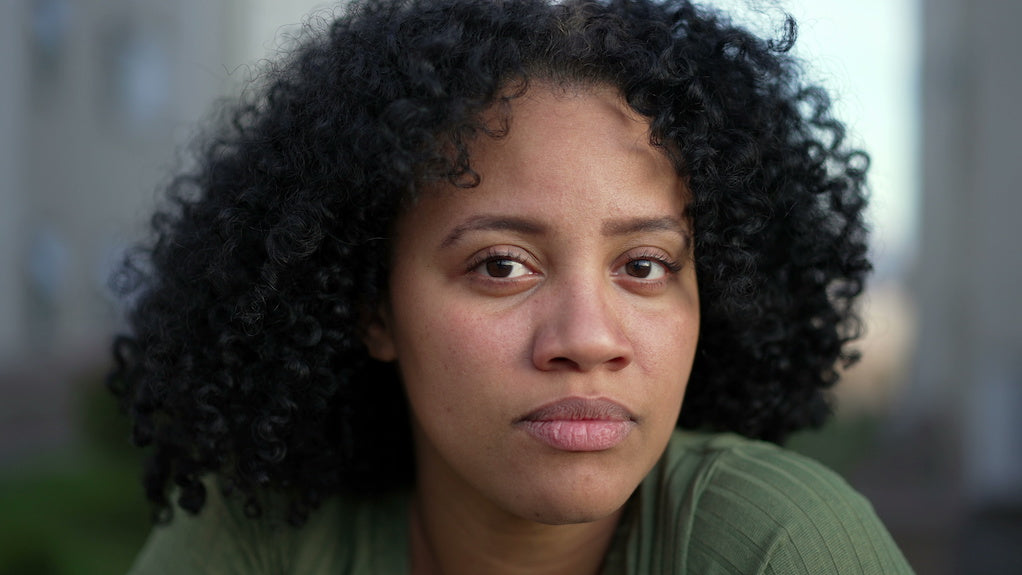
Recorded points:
(617, 363)
(563, 361)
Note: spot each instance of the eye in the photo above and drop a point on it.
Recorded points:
(646, 269)
(647, 266)
(501, 263)
(500, 267)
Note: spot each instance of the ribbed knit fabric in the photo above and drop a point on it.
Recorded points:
(719, 504)
(714, 504)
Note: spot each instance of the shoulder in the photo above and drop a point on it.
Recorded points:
(730, 470)
(745, 506)
(221, 539)
(345, 535)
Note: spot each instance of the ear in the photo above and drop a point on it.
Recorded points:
(377, 335)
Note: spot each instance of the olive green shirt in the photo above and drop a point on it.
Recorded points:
(714, 504)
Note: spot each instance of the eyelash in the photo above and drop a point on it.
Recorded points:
(673, 266)
(493, 255)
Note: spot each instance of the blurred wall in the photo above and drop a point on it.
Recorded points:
(960, 416)
(968, 380)
(12, 66)
(97, 99)
(97, 96)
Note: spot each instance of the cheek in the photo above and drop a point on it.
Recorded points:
(462, 340)
(453, 358)
(666, 344)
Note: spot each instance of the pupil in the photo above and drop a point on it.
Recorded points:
(499, 268)
(640, 268)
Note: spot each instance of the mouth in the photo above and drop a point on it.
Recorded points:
(579, 424)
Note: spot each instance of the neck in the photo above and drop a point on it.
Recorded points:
(455, 530)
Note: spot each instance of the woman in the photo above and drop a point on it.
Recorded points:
(506, 287)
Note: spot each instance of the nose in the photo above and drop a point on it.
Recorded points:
(579, 330)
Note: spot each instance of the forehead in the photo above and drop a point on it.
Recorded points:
(551, 118)
(565, 151)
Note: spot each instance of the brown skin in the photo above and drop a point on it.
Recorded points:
(567, 273)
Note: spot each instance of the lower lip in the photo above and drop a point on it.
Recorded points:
(579, 435)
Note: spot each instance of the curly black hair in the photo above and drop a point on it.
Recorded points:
(246, 357)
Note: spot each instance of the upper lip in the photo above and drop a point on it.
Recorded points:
(580, 409)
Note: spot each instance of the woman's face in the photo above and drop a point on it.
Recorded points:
(544, 323)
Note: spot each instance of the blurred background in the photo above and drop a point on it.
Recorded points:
(98, 96)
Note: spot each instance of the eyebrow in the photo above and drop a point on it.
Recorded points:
(622, 227)
(493, 223)
(630, 226)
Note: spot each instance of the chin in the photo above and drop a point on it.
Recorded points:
(573, 517)
(570, 502)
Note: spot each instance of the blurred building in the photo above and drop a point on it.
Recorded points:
(969, 276)
(962, 410)
(96, 96)
(96, 101)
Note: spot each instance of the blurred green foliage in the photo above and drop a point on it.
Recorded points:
(80, 510)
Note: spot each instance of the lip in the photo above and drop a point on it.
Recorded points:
(579, 424)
